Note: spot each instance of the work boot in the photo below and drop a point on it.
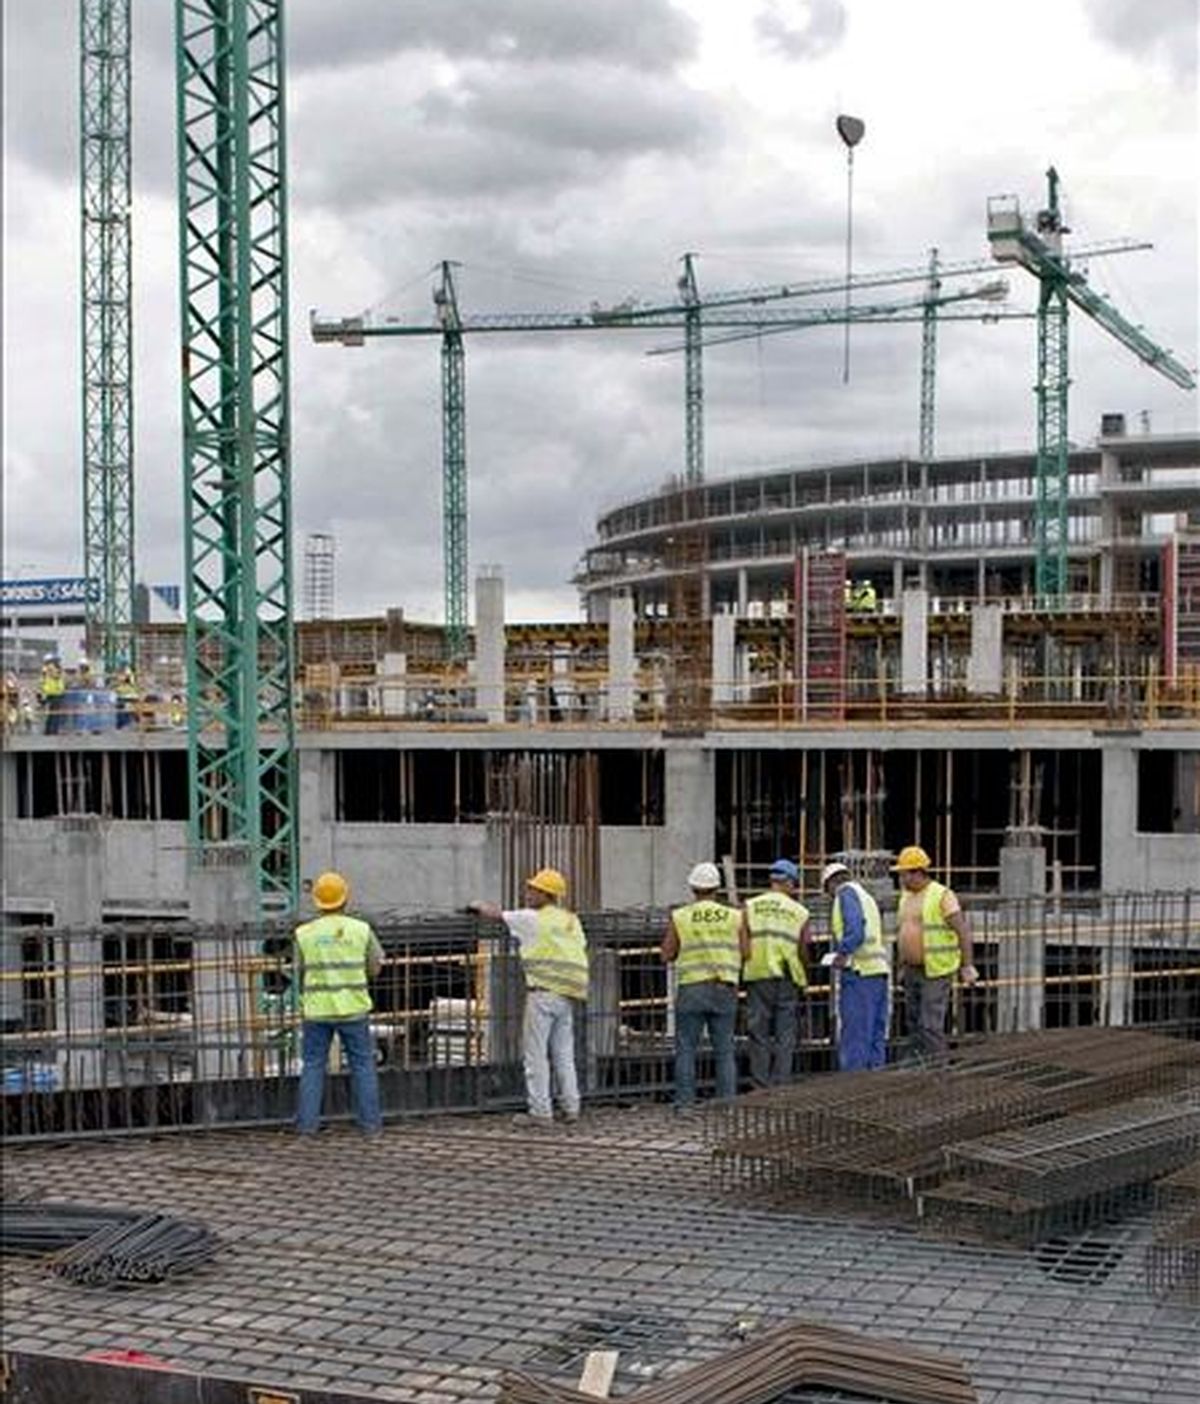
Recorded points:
(526, 1121)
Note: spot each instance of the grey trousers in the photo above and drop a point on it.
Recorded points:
(926, 1002)
(550, 1042)
(771, 1024)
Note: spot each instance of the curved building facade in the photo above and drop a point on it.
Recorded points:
(960, 527)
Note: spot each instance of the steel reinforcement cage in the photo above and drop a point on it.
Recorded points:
(164, 1024)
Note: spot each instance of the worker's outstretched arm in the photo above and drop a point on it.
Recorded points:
(486, 909)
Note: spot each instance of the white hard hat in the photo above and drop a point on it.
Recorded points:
(832, 870)
(704, 877)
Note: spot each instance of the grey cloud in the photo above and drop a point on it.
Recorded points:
(1168, 30)
(801, 29)
(646, 34)
(498, 133)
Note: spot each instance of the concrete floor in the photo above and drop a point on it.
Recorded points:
(417, 1266)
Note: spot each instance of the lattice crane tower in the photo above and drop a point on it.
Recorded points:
(106, 326)
(236, 433)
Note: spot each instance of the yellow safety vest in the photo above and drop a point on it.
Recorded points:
(775, 921)
(53, 685)
(871, 957)
(939, 941)
(334, 950)
(709, 947)
(556, 959)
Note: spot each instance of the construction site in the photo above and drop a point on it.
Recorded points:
(993, 655)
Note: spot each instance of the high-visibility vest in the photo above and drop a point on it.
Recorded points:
(775, 921)
(334, 950)
(709, 944)
(53, 685)
(556, 959)
(871, 957)
(942, 955)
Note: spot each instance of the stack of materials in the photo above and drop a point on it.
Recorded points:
(1017, 1137)
(1173, 1259)
(105, 1247)
(789, 1357)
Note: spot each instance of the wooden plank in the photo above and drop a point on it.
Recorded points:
(598, 1371)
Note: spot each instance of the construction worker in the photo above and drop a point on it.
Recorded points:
(778, 930)
(859, 957)
(553, 950)
(51, 688)
(935, 943)
(336, 955)
(707, 943)
(128, 698)
(864, 599)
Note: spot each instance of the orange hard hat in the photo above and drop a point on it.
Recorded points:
(330, 891)
(912, 859)
(550, 881)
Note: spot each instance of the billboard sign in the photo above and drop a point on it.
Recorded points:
(63, 590)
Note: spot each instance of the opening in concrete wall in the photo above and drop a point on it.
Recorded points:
(110, 784)
(1168, 792)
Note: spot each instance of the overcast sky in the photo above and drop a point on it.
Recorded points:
(566, 151)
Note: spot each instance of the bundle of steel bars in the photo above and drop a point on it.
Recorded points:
(1020, 1136)
(786, 1358)
(105, 1247)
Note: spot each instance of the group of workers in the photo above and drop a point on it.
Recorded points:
(765, 945)
(861, 597)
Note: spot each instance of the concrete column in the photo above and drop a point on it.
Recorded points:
(743, 592)
(897, 579)
(1021, 966)
(489, 644)
(689, 802)
(393, 690)
(914, 641)
(1110, 475)
(1022, 871)
(223, 900)
(621, 659)
(1120, 870)
(317, 791)
(8, 785)
(724, 658)
(78, 911)
(985, 667)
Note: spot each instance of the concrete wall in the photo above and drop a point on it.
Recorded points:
(1133, 861)
(412, 867)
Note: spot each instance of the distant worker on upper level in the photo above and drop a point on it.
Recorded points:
(863, 599)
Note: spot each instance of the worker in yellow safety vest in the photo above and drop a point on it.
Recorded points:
(778, 929)
(935, 945)
(707, 943)
(859, 959)
(554, 956)
(336, 956)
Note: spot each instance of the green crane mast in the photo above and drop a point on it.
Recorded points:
(693, 374)
(236, 434)
(454, 465)
(929, 321)
(1040, 251)
(106, 327)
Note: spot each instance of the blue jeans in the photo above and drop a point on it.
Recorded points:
(359, 1049)
(862, 1019)
(712, 1004)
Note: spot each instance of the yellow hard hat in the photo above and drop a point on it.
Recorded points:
(912, 859)
(330, 891)
(550, 881)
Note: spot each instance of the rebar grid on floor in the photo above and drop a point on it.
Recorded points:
(418, 1266)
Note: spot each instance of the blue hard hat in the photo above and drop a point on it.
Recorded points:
(785, 868)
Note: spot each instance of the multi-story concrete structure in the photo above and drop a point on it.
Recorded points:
(959, 527)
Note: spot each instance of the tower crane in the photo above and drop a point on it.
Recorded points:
(741, 310)
(1039, 250)
(106, 326)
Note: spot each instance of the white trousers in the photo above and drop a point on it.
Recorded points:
(550, 1041)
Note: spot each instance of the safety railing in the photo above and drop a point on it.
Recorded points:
(164, 1025)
